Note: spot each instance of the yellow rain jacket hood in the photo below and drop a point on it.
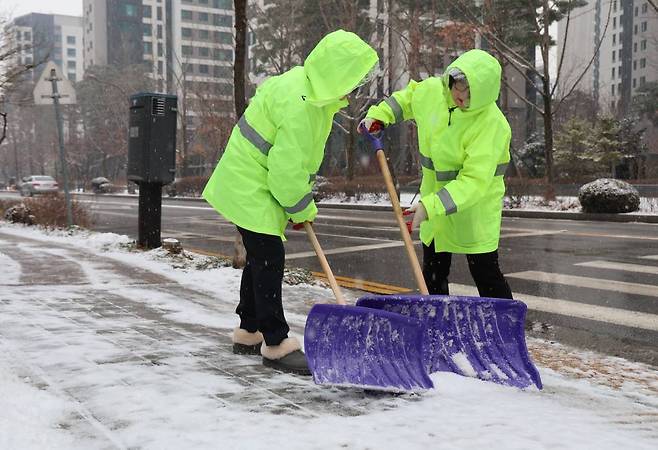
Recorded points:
(267, 172)
(463, 153)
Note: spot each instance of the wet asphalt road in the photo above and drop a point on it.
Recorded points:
(592, 284)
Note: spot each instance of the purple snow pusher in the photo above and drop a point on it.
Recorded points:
(365, 347)
(471, 336)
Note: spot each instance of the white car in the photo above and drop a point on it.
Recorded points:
(38, 184)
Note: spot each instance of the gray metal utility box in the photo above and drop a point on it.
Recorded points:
(152, 138)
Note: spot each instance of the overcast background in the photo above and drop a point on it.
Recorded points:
(15, 8)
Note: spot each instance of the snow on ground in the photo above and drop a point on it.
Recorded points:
(81, 371)
(648, 205)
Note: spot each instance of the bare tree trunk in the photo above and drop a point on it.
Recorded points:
(548, 113)
(240, 6)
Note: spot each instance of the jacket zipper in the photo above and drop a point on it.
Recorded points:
(450, 110)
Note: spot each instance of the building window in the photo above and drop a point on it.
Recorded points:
(222, 20)
(222, 37)
(614, 23)
(185, 14)
(204, 51)
(643, 80)
(159, 31)
(634, 65)
(160, 67)
(203, 68)
(204, 34)
(614, 39)
(613, 73)
(635, 29)
(644, 8)
(223, 4)
(189, 68)
(614, 6)
(147, 29)
(147, 11)
(70, 52)
(644, 27)
(186, 32)
(130, 10)
(70, 64)
(203, 17)
(160, 49)
(27, 35)
(28, 60)
(71, 76)
(223, 72)
(643, 63)
(635, 47)
(643, 44)
(187, 50)
(159, 12)
(634, 80)
(613, 55)
(223, 55)
(613, 89)
(70, 40)
(203, 2)
(148, 48)
(636, 11)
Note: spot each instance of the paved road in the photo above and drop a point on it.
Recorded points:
(593, 284)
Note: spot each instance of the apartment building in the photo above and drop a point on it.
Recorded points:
(49, 37)
(628, 55)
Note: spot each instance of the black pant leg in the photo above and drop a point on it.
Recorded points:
(488, 278)
(266, 260)
(436, 268)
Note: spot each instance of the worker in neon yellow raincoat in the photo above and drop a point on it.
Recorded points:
(265, 176)
(464, 141)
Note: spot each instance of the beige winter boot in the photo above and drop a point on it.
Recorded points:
(246, 343)
(286, 357)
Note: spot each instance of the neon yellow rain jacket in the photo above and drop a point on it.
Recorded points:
(464, 154)
(268, 169)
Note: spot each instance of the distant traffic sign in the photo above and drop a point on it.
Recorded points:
(43, 93)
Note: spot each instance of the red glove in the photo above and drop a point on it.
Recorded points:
(408, 226)
(298, 226)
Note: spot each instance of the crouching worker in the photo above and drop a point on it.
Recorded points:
(264, 179)
(464, 150)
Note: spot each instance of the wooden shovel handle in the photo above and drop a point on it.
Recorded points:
(324, 263)
(406, 237)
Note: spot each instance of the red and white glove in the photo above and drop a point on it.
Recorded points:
(373, 126)
(420, 215)
(298, 226)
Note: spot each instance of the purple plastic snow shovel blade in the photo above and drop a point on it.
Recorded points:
(471, 336)
(348, 345)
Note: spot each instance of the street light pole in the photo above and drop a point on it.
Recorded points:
(62, 153)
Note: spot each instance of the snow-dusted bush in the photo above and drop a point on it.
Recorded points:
(607, 195)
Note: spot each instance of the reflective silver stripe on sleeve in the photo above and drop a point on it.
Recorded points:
(395, 106)
(426, 162)
(447, 201)
(446, 175)
(311, 178)
(303, 203)
(501, 169)
(252, 136)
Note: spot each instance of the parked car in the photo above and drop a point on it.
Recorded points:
(101, 185)
(38, 184)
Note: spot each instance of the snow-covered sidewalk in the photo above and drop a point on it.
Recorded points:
(104, 347)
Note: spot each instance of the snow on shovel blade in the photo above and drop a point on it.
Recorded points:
(472, 336)
(373, 349)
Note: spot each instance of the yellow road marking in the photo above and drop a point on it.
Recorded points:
(346, 282)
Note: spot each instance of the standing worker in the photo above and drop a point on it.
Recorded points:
(265, 177)
(464, 141)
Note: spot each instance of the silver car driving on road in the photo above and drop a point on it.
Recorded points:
(38, 184)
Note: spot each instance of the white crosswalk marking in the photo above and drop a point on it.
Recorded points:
(650, 257)
(605, 314)
(621, 266)
(587, 282)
